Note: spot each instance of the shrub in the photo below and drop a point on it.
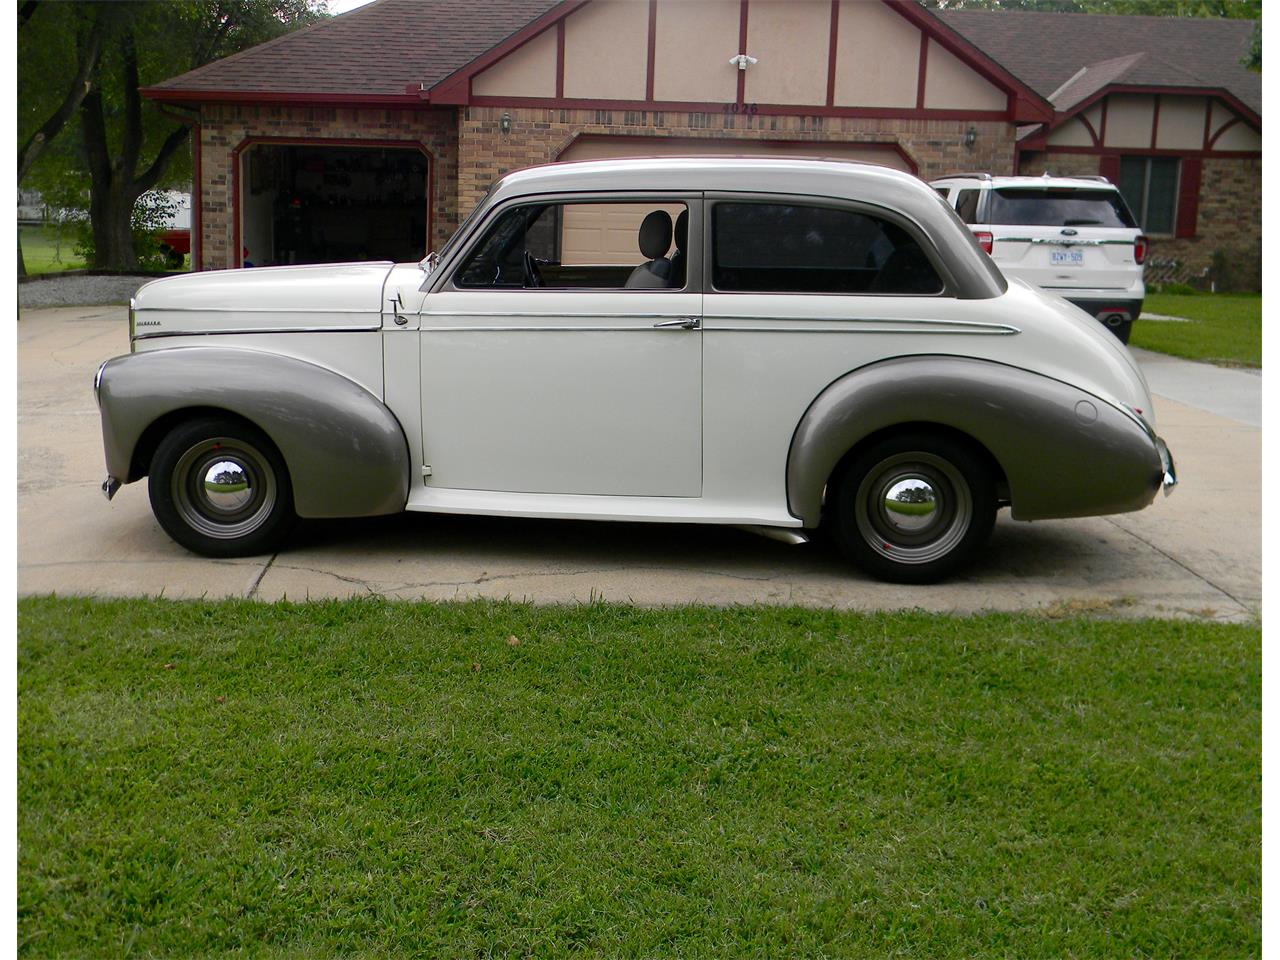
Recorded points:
(152, 214)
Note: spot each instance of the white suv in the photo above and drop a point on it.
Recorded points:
(1070, 236)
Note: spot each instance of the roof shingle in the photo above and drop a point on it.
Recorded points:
(376, 50)
(1046, 50)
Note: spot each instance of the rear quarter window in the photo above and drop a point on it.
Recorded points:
(796, 248)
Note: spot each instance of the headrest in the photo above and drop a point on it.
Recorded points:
(682, 230)
(655, 235)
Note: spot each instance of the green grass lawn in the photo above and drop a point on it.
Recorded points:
(1226, 327)
(375, 778)
(41, 252)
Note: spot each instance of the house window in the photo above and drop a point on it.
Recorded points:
(1150, 187)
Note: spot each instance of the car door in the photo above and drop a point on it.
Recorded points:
(547, 373)
(799, 292)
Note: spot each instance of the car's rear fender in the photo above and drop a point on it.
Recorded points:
(1064, 452)
(346, 452)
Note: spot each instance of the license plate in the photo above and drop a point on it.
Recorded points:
(1066, 258)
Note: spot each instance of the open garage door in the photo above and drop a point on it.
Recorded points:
(312, 203)
(602, 147)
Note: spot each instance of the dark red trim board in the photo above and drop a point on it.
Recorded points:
(653, 49)
(742, 48)
(922, 69)
(832, 52)
(1188, 197)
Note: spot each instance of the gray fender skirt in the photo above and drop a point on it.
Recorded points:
(346, 452)
(1064, 452)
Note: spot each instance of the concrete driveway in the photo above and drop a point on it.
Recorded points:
(1195, 554)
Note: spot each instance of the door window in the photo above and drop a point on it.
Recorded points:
(796, 248)
(567, 246)
(967, 205)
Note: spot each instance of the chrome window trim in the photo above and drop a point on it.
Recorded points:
(949, 284)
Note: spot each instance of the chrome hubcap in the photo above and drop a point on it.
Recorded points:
(913, 508)
(224, 488)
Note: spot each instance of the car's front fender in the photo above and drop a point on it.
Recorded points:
(1064, 452)
(346, 452)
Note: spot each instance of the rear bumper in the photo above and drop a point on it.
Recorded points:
(1116, 314)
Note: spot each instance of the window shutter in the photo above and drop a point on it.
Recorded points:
(1109, 166)
(1188, 197)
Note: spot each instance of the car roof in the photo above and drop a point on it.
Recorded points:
(1079, 183)
(834, 178)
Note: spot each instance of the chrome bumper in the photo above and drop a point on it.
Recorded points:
(1170, 479)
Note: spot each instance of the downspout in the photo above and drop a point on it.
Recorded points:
(197, 200)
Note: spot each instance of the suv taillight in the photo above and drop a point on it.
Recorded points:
(1140, 249)
(985, 240)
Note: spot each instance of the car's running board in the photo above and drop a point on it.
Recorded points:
(781, 534)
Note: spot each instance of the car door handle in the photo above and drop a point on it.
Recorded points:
(681, 323)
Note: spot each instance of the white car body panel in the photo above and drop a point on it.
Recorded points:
(629, 404)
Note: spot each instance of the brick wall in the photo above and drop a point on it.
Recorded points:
(224, 127)
(540, 135)
(1229, 220)
(1228, 224)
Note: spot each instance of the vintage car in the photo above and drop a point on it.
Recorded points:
(772, 343)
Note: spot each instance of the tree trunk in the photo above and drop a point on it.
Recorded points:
(111, 214)
(22, 264)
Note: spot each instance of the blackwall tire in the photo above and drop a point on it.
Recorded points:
(219, 487)
(913, 508)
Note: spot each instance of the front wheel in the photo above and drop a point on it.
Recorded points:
(913, 508)
(220, 488)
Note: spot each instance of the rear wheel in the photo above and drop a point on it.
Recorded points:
(913, 508)
(220, 488)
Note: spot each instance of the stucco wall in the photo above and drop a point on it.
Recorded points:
(224, 127)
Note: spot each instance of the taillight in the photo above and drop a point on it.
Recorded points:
(1140, 249)
(985, 240)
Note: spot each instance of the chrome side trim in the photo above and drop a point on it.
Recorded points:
(240, 331)
(311, 310)
(537, 329)
(983, 329)
(559, 316)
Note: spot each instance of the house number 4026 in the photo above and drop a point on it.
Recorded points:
(750, 108)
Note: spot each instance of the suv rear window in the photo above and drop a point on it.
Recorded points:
(1058, 207)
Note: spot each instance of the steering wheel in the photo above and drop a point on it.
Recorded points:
(532, 275)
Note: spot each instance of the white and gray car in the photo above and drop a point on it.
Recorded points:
(1074, 237)
(777, 344)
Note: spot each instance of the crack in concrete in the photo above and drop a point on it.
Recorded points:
(486, 577)
(257, 581)
(1195, 573)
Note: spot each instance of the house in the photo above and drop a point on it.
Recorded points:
(373, 133)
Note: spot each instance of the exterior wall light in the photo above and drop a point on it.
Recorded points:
(505, 123)
(970, 138)
(742, 61)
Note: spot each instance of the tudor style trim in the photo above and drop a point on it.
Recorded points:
(1023, 102)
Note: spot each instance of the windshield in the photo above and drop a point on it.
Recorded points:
(1058, 207)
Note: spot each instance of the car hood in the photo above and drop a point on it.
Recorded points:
(322, 296)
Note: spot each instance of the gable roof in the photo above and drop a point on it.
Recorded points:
(1048, 50)
(388, 50)
(374, 52)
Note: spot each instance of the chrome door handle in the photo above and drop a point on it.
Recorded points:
(682, 323)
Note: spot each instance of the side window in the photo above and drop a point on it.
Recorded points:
(791, 248)
(568, 246)
(943, 192)
(967, 205)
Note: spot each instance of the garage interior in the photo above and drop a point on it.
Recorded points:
(309, 203)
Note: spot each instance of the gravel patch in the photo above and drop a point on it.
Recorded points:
(78, 290)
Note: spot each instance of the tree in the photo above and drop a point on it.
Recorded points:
(123, 144)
